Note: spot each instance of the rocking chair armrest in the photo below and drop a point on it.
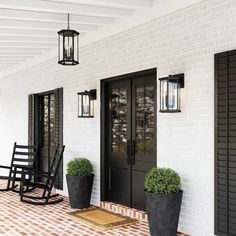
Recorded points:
(5, 167)
(45, 176)
(37, 173)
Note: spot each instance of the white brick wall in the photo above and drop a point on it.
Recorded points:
(184, 41)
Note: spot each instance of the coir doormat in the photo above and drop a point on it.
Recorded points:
(101, 218)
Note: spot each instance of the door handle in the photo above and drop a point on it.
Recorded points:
(133, 152)
(128, 152)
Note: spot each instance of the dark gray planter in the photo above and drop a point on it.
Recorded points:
(163, 213)
(80, 189)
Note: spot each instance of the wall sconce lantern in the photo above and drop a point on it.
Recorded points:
(86, 103)
(170, 93)
(68, 46)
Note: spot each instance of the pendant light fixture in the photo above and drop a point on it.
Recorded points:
(68, 46)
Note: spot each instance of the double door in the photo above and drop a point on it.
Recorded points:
(131, 138)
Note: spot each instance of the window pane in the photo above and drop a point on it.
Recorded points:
(45, 121)
(144, 119)
(119, 120)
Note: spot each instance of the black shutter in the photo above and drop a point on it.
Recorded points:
(31, 119)
(225, 143)
(58, 93)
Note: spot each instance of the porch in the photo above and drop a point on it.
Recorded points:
(192, 39)
(19, 219)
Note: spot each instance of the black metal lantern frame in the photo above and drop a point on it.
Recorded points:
(68, 46)
(170, 93)
(86, 103)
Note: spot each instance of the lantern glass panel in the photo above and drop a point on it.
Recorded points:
(91, 108)
(164, 95)
(60, 47)
(80, 105)
(172, 95)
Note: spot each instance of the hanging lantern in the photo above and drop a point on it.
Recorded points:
(170, 93)
(86, 103)
(68, 46)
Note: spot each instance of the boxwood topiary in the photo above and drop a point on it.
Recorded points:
(162, 181)
(79, 167)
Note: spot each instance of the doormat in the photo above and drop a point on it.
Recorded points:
(101, 218)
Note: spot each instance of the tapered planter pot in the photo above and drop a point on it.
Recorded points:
(80, 189)
(163, 213)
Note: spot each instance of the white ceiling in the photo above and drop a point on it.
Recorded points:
(28, 28)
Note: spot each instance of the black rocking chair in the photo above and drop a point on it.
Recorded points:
(47, 197)
(23, 157)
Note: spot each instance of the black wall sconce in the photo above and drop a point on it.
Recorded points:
(86, 103)
(170, 93)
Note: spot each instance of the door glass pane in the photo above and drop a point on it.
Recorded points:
(119, 120)
(144, 119)
(52, 119)
(45, 121)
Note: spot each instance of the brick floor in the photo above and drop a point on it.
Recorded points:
(17, 218)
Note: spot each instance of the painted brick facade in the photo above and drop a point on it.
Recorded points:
(184, 41)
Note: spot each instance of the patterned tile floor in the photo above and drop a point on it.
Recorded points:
(17, 218)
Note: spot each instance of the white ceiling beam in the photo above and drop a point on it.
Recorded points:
(15, 57)
(22, 49)
(55, 17)
(12, 38)
(27, 32)
(43, 6)
(30, 33)
(23, 24)
(111, 3)
(7, 63)
(12, 60)
(15, 53)
(27, 44)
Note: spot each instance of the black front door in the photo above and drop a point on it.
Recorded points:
(131, 131)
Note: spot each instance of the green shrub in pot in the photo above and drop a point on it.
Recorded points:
(79, 167)
(162, 180)
(163, 197)
(80, 182)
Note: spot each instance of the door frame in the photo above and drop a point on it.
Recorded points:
(103, 121)
(35, 125)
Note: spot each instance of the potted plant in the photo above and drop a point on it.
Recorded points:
(163, 197)
(80, 182)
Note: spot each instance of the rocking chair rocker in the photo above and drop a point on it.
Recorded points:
(47, 186)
